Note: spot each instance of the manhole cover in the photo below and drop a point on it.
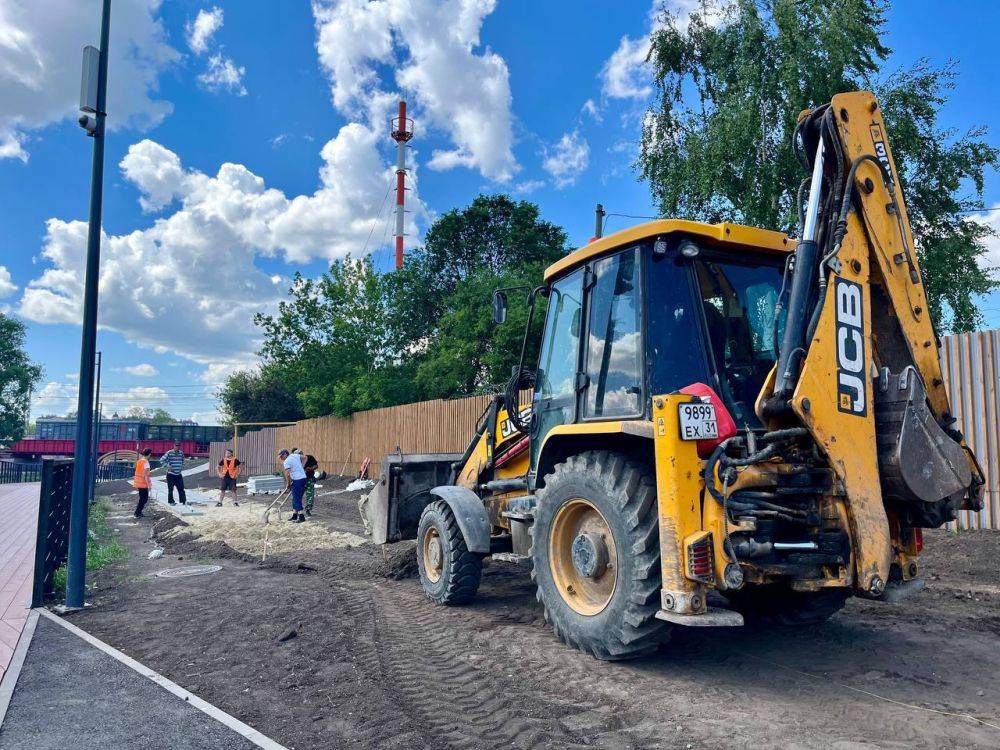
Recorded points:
(189, 570)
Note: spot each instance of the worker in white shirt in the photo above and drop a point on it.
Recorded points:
(295, 479)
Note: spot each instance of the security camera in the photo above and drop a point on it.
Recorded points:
(89, 124)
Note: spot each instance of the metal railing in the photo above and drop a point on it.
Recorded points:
(52, 540)
(12, 472)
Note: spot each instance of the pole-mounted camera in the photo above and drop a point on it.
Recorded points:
(88, 89)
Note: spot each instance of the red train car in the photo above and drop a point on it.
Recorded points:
(33, 448)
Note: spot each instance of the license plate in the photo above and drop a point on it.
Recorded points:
(698, 422)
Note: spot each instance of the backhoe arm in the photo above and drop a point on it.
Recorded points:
(858, 364)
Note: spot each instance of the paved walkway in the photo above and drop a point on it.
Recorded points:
(19, 514)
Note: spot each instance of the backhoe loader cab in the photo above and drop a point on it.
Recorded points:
(715, 408)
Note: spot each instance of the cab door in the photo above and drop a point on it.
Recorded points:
(557, 377)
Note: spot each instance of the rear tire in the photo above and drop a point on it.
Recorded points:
(779, 605)
(596, 517)
(449, 573)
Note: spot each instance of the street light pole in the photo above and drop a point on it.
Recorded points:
(77, 557)
(92, 464)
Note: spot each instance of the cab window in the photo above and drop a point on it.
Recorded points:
(738, 302)
(558, 358)
(614, 352)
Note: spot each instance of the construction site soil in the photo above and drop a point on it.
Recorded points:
(338, 648)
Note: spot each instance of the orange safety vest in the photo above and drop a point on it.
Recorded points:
(139, 480)
(229, 466)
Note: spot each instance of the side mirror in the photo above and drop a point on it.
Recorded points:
(499, 307)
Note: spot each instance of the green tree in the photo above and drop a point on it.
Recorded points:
(340, 340)
(258, 397)
(492, 243)
(730, 86)
(18, 375)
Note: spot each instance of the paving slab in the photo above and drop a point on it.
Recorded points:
(18, 528)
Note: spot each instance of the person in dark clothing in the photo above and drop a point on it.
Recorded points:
(141, 481)
(310, 464)
(174, 461)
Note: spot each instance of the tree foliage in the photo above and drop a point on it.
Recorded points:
(18, 375)
(731, 84)
(153, 416)
(356, 339)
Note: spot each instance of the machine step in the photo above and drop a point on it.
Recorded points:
(715, 617)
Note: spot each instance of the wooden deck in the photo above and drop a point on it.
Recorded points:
(19, 514)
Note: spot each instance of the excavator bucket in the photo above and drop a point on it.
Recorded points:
(925, 472)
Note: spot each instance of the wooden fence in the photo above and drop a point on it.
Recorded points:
(971, 365)
(423, 427)
(257, 450)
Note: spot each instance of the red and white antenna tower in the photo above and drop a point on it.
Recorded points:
(402, 132)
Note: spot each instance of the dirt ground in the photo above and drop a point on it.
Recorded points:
(324, 649)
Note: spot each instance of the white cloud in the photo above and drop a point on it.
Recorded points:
(40, 55)
(222, 74)
(143, 370)
(211, 417)
(200, 31)
(204, 252)
(591, 109)
(55, 398)
(529, 186)
(61, 398)
(627, 74)
(567, 159)
(7, 286)
(434, 47)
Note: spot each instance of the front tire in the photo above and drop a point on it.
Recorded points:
(596, 555)
(449, 573)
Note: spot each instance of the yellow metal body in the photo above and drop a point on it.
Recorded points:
(731, 236)
(486, 452)
(679, 497)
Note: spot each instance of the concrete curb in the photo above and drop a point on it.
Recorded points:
(218, 714)
(16, 662)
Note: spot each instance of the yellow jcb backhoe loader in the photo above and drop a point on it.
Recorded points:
(715, 408)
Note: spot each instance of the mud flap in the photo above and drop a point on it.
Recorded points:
(470, 514)
(925, 472)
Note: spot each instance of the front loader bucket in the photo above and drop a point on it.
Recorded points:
(402, 491)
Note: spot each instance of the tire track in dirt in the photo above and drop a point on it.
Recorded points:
(502, 687)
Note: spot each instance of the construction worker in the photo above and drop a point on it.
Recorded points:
(295, 480)
(140, 481)
(174, 461)
(310, 465)
(229, 468)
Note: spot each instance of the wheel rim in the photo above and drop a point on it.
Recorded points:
(433, 555)
(583, 557)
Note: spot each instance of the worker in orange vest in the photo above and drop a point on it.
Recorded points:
(229, 468)
(141, 481)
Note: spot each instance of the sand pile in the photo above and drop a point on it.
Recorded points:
(244, 530)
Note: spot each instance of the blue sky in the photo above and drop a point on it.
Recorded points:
(542, 100)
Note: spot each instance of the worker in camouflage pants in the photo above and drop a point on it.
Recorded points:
(310, 464)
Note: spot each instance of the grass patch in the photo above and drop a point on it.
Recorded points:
(103, 549)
